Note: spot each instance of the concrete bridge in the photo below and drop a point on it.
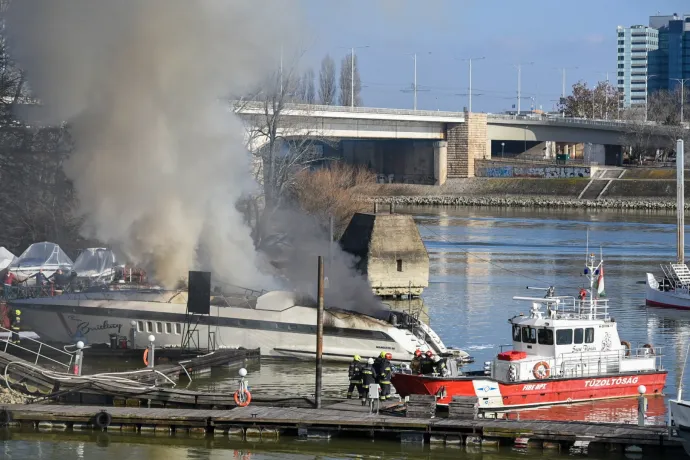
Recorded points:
(450, 141)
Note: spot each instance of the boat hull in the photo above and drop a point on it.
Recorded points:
(275, 334)
(494, 394)
(664, 299)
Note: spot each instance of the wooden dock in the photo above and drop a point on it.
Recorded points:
(348, 418)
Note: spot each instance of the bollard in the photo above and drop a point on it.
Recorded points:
(152, 351)
(78, 358)
(133, 334)
(641, 405)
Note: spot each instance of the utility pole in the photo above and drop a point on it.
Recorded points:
(352, 73)
(415, 87)
(469, 94)
(519, 84)
(563, 72)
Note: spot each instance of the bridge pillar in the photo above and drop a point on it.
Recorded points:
(440, 162)
(466, 142)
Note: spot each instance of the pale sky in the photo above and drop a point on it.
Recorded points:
(551, 33)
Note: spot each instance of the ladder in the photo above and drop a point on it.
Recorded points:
(682, 273)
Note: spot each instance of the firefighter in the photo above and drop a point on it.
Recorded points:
(427, 363)
(440, 366)
(415, 364)
(354, 373)
(385, 377)
(15, 319)
(368, 378)
(378, 364)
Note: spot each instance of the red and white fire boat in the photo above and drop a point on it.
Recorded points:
(571, 352)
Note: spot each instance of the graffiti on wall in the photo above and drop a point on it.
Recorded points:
(547, 172)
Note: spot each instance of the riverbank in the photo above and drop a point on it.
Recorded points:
(525, 192)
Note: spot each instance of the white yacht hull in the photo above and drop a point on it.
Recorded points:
(679, 416)
(665, 299)
(286, 333)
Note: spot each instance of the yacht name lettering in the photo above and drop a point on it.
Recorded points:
(534, 386)
(85, 327)
(611, 381)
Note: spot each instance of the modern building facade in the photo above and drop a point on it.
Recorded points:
(671, 61)
(635, 44)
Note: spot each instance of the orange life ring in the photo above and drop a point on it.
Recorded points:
(546, 370)
(146, 357)
(628, 347)
(648, 346)
(246, 401)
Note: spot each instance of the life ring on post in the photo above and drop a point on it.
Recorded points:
(102, 420)
(541, 370)
(247, 398)
(628, 347)
(146, 357)
(649, 347)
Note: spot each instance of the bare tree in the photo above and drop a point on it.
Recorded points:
(281, 144)
(584, 102)
(309, 90)
(350, 81)
(327, 85)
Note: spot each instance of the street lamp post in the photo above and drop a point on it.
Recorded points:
(352, 73)
(563, 69)
(415, 87)
(519, 83)
(469, 94)
(682, 95)
(503, 144)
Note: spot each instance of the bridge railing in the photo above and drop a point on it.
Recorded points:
(564, 120)
(250, 105)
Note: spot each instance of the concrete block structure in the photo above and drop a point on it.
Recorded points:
(466, 142)
(390, 251)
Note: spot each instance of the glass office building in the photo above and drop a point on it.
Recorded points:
(671, 61)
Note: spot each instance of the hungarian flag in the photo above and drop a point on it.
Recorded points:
(600, 283)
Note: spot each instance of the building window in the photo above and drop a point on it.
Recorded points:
(621, 66)
(621, 42)
(168, 328)
(399, 263)
(621, 50)
(620, 74)
(620, 58)
(620, 82)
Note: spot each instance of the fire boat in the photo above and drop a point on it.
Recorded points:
(566, 351)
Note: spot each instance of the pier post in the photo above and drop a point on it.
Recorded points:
(641, 405)
(319, 336)
(152, 351)
(78, 358)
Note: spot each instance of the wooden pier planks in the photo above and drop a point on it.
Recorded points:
(344, 418)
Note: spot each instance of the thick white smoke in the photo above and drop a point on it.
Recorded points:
(159, 161)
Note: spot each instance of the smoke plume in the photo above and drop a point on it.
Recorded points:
(159, 161)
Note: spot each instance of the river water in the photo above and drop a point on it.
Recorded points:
(480, 259)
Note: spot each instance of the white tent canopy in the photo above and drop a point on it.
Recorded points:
(94, 261)
(42, 255)
(6, 258)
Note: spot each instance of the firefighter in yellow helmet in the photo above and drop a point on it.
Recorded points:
(354, 373)
(15, 320)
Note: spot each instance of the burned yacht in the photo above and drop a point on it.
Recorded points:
(280, 323)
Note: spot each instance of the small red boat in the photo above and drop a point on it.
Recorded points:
(571, 352)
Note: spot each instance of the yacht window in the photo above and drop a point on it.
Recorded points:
(140, 326)
(545, 336)
(564, 337)
(149, 326)
(589, 335)
(579, 336)
(529, 335)
(178, 329)
(516, 333)
(159, 328)
(168, 328)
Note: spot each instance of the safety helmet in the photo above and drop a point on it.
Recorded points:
(429, 353)
(356, 358)
(418, 352)
(389, 356)
(17, 312)
(382, 354)
(370, 361)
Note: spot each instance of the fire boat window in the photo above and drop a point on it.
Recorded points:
(168, 328)
(140, 326)
(399, 263)
(149, 326)
(545, 336)
(564, 337)
(579, 336)
(516, 333)
(589, 335)
(159, 328)
(529, 335)
(178, 328)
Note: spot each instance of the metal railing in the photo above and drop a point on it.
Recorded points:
(568, 307)
(552, 120)
(8, 341)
